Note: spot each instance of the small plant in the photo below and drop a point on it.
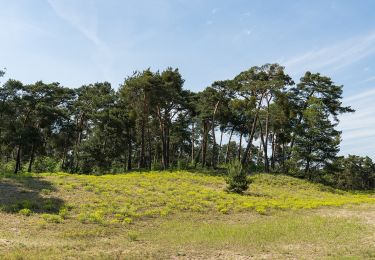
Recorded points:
(128, 220)
(52, 218)
(132, 236)
(237, 179)
(25, 212)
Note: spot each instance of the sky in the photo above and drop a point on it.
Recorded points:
(77, 42)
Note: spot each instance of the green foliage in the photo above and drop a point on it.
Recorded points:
(52, 218)
(7, 167)
(355, 173)
(25, 212)
(152, 123)
(237, 180)
(46, 164)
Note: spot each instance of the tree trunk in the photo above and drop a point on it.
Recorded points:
(79, 125)
(273, 149)
(31, 158)
(250, 142)
(142, 156)
(129, 164)
(168, 139)
(221, 140)
(149, 148)
(214, 155)
(265, 150)
(240, 148)
(204, 142)
(192, 142)
(227, 151)
(18, 160)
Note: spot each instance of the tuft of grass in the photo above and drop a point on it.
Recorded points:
(25, 212)
(52, 218)
(133, 235)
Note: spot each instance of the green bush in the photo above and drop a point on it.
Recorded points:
(46, 164)
(7, 167)
(237, 178)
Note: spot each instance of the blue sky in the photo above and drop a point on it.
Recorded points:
(77, 42)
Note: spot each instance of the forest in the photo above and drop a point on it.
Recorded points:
(261, 118)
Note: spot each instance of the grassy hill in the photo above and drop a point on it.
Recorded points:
(180, 215)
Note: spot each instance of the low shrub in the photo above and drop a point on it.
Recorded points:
(237, 178)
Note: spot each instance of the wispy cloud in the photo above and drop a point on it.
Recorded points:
(368, 79)
(81, 15)
(83, 20)
(335, 56)
(359, 97)
(359, 128)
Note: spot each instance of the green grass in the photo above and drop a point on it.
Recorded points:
(179, 214)
(277, 235)
(128, 197)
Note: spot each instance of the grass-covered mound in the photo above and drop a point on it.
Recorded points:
(125, 198)
(180, 215)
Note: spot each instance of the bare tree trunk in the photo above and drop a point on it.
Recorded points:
(264, 143)
(214, 155)
(192, 142)
(130, 148)
(204, 143)
(168, 140)
(142, 156)
(266, 161)
(240, 148)
(221, 140)
(18, 160)
(252, 132)
(227, 151)
(273, 151)
(149, 148)
(31, 158)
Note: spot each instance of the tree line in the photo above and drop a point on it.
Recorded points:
(271, 124)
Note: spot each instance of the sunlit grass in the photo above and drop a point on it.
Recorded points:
(166, 214)
(127, 197)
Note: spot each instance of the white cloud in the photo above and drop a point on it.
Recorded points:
(368, 79)
(335, 56)
(82, 18)
(81, 15)
(359, 127)
(360, 96)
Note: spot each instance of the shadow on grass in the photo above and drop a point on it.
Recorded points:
(26, 192)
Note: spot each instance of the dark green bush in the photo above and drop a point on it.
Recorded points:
(237, 178)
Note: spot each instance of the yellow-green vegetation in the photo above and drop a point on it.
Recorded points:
(127, 197)
(179, 214)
